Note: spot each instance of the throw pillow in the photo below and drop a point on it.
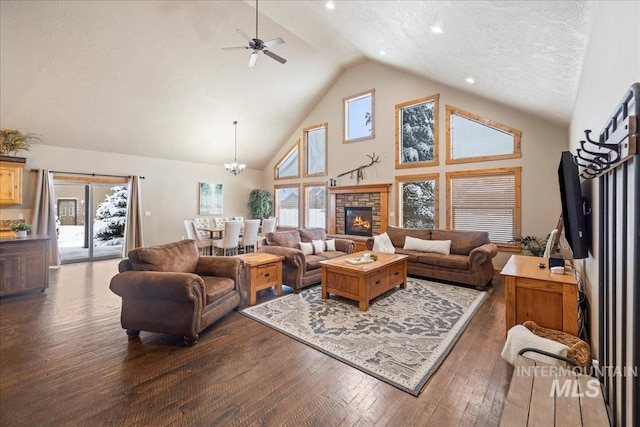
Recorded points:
(330, 244)
(382, 244)
(318, 246)
(437, 246)
(306, 248)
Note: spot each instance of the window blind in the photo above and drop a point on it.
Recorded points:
(484, 203)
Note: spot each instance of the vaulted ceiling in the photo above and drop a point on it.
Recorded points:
(150, 78)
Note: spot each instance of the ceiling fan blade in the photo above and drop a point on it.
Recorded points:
(274, 56)
(236, 48)
(243, 34)
(273, 42)
(253, 58)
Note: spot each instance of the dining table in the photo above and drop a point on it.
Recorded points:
(218, 233)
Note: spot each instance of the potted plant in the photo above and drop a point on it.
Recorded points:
(20, 228)
(12, 141)
(260, 204)
(532, 245)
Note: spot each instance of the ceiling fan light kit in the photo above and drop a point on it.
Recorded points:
(257, 45)
(234, 167)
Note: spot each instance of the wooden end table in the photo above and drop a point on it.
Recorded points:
(262, 271)
(363, 282)
(533, 293)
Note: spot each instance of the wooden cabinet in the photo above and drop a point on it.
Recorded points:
(11, 183)
(24, 264)
(534, 293)
(262, 271)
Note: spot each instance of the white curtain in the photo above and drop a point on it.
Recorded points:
(133, 224)
(43, 220)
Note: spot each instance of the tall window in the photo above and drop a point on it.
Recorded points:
(289, 165)
(471, 138)
(485, 200)
(315, 205)
(287, 205)
(359, 117)
(315, 148)
(417, 205)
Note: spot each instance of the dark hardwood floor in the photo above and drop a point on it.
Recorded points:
(64, 360)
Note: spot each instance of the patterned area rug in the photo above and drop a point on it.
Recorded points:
(401, 340)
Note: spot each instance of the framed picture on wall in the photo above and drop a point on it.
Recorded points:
(210, 199)
(417, 133)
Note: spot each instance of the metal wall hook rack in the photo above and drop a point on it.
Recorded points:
(617, 141)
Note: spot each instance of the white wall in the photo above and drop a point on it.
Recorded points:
(611, 65)
(541, 142)
(170, 190)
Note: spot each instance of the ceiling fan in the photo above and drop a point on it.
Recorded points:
(258, 45)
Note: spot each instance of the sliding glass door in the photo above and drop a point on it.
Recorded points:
(90, 219)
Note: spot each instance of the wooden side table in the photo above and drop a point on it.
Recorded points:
(534, 293)
(262, 271)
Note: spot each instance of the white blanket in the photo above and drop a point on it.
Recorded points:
(382, 244)
(520, 337)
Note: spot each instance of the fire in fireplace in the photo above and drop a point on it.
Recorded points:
(358, 221)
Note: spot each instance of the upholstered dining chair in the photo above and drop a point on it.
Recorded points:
(202, 223)
(229, 242)
(219, 221)
(250, 235)
(204, 244)
(268, 226)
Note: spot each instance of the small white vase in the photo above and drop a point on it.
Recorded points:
(21, 233)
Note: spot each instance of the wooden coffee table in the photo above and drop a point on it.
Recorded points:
(262, 271)
(363, 282)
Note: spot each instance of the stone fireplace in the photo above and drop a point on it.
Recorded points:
(373, 197)
(358, 221)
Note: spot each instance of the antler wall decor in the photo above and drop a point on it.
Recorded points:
(358, 171)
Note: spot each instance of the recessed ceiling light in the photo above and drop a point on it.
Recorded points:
(470, 80)
(329, 5)
(383, 53)
(436, 29)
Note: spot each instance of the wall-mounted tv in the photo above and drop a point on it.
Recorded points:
(573, 212)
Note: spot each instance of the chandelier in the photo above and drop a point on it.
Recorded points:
(234, 167)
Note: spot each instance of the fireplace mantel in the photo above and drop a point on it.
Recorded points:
(382, 207)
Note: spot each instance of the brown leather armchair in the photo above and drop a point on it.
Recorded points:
(171, 289)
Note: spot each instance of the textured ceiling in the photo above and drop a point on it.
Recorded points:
(150, 78)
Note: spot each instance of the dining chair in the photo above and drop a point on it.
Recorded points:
(219, 221)
(250, 235)
(202, 223)
(204, 244)
(229, 242)
(268, 226)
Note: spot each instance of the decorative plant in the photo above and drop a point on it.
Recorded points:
(12, 141)
(260, 204)
(19, 226)
(532, 245)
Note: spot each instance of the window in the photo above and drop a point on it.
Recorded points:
(359, 117)
(417, 205)
(417, 133)
(289, 165)
(315, 205)
(485, 200)
(315, 147)
(471, 138)
(287, 205)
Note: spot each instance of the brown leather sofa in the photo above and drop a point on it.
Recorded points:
(173, 290)
(468, 263)
(300, 270)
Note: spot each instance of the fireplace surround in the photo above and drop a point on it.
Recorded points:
(358, 220)
(374, 196)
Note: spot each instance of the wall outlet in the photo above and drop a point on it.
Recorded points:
(20, 216)
(147, 213)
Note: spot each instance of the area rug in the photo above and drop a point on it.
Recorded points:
(401, 340)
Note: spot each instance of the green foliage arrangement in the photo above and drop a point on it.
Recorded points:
(12, 141)
(260, 204)
(19, 226)
(532, 245)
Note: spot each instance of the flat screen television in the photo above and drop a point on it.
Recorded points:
(573, 212)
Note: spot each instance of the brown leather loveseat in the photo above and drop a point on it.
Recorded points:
(469, 261)
(173, 290)
(300, 270)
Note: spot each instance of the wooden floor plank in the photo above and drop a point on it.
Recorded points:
(65, 360)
